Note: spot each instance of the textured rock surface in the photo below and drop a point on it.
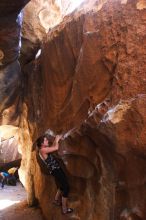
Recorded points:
(10, 82)
(90, 78)
(84, 61)
(40, 16)
(10, 77)
(9, 144)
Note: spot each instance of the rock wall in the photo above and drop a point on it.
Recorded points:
(10, 74)
(10, 82)
(88, 80)
(89, 83)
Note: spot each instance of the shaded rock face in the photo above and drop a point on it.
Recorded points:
(10, 77)
(84, 62)
(10, 82)
(86, 84)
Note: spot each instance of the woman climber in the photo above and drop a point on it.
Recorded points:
(46, 147)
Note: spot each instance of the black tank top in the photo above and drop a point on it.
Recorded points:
(52, 163)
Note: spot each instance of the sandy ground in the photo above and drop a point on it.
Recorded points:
(13, 205)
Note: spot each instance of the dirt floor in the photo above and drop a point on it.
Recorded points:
(13, 205)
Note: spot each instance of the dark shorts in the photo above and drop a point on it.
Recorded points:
(61, 181)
